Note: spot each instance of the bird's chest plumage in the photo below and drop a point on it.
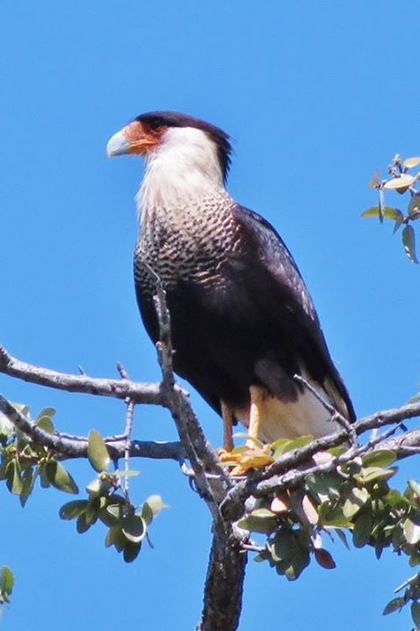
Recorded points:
(185, 244)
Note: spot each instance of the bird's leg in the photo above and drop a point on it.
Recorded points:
(256, 395)
(227, 426)
(252, 456)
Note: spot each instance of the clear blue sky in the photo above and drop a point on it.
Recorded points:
(316, 95)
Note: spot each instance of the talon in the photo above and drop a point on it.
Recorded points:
(250, 458)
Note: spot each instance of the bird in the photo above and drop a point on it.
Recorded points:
(244, 328)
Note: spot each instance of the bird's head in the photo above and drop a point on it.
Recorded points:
(185, 139)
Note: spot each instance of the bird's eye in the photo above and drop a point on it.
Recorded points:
(155, 124)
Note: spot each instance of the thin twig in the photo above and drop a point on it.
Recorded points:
(334, 413)
(128, 431)
(129, 418)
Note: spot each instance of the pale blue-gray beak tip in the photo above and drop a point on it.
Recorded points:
(117, 145)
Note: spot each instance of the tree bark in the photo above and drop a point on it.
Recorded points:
(224, 586)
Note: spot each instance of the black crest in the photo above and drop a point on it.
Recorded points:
(176, 119)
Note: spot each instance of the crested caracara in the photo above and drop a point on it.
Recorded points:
(243, 322)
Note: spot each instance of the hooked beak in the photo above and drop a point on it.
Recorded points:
(118, 145)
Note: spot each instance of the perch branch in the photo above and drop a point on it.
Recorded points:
(76, 447)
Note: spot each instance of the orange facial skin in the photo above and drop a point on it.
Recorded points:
(141, 137)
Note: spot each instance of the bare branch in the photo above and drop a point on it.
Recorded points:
(117, 388)
(76, 447)
(151, 393)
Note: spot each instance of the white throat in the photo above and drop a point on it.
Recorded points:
(181, 169)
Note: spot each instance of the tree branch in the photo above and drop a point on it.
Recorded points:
(224, 586)
(77, 447)
(139, 392)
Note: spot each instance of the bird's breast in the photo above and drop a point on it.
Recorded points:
(187, 243)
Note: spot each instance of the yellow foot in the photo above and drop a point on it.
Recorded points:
(242, 459)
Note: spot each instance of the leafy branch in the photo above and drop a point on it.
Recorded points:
(400, 181)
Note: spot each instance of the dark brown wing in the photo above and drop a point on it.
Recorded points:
(278, 287)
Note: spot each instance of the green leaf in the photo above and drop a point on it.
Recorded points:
(258, 524)
(282, 445)
(13, 478)
(414, 486)
(398, 223)
(283, 546)
(297, 564)
(45, 423)
(42, 470)
(131, 551)
(409, 163)
(403, 181)
(7, 580)
(374, 181)
(151, 508)
(82, 525)
(415, 613)
(324, 485)
(394, 605)
(280, 442)
(6, 426)
(120, 542)
(414, 207)
(28, 481)
(73, 509)
(372, 211)
(388, 211)
(373, 474)
(92, 510)
(362, 530)
(262, 512)
(97, 451)
(414, 559)
(332, 516)
(398, 539)
(337, 451)
(113, 534)
(60, 478)
(411, 531)
(49, 412)
(379, 458)
(299, 442)
(409, 243)
(23, 409)
(134, 529)
(394, 499)
(356, 500)
(111, 514)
